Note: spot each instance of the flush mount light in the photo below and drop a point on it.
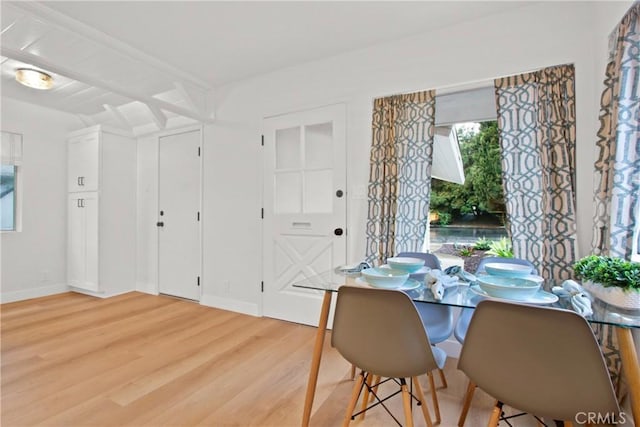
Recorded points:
(34, 78)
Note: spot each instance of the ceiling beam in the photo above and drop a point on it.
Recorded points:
(78, 28)
(195, 99)
(86, 120)
(150, 101)
(120, 118)
(158, 117)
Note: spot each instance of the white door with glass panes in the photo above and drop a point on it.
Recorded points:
(304, 207)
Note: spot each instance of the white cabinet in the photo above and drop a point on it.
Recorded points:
(101, 229)
(83, 162)
(82, 259)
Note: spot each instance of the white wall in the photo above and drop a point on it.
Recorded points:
(517, 41)
(528, 38)
(34, 259)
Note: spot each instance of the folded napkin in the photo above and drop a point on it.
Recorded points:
(438, 281)
(456, 270)
(352, 269)
(580, 300)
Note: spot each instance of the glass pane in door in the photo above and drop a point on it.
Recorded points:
(287, 147)
(319, 146)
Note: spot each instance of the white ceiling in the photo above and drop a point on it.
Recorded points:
(135, 63)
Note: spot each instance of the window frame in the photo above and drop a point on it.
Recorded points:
(11, 155)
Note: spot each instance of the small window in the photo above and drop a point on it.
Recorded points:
(10, 169)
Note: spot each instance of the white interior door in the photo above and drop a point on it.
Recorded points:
(304, 207)
(179, 215)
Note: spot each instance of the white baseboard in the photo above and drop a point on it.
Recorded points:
(452, 347)
(99, 294)
(230, 304)
(147, 288)
(25, 294)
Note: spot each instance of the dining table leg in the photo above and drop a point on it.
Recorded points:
(315, 361)
(630, 369)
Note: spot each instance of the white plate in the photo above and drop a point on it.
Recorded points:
(423, 270)
(542, 297)
(406, 286)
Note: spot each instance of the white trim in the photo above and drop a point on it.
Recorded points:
(234, 305)
(25, 294)
(102, 295)
(147, 288)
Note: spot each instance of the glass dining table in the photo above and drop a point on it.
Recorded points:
(464, 296)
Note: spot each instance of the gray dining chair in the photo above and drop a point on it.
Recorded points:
(540, 360)
(437, 319)
(380, 331)
(462, 325)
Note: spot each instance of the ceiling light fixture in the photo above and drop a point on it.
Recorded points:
(34, 78)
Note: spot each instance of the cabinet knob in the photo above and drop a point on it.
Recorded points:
(160, 224)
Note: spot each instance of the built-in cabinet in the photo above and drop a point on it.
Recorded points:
(101, 233)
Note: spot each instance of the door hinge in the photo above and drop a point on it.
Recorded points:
(262, 140)
(198, 151)
(262, 213)
(198, 216)
(198, 281)
(262, 286)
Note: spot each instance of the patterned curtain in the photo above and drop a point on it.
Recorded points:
(617, 170)
(537, 126)
(400, 174)
(617, 192)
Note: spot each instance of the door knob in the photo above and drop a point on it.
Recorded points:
(160, 224)
(338, 231)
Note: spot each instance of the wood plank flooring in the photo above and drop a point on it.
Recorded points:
(143, 360)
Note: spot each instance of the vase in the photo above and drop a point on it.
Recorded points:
(627, 299)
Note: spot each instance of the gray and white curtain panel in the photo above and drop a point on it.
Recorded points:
(617, 192)
(400, 174)
(537, 127)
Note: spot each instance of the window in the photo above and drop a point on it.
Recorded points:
(10, 169)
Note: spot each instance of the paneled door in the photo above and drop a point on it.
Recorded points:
(304, 207)
(179, 215)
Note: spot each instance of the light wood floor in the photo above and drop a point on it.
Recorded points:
(143, 360)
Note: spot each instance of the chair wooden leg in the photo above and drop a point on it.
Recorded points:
(365, 397)
(443, 379)
(423, 403)
(471, 388)
(376, 383)
(353, 371)
(406, 403)
(354, 399)
(495, 414)
(434, 397)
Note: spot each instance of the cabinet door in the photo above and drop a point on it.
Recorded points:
(82, 242)
(90, 208)
(75, 242)
(83, 163)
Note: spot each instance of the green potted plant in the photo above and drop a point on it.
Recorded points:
(610, 279)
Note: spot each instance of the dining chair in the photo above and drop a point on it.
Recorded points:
(540, 360)
(437, 319)
(462, 325)
(380, 331)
